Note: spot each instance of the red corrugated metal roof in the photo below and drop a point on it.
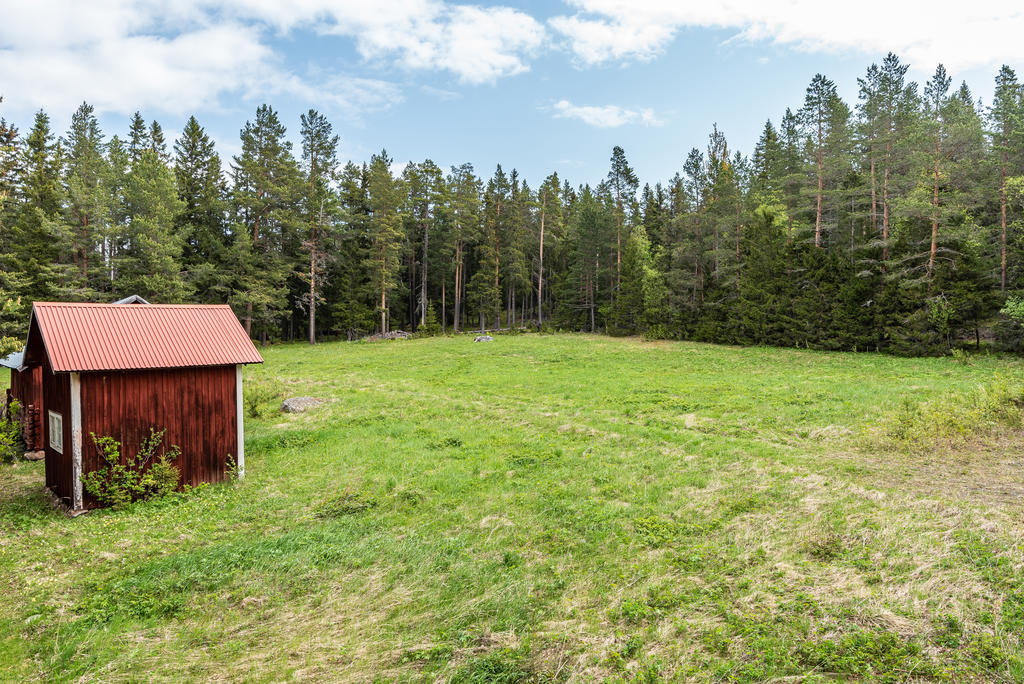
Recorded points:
(96, 337)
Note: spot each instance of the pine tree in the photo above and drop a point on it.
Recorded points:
(320, 164)
(824, 119)
(897, 109)
(1007, 121)
(465, 201)
(427, 196)
(937, 108)
(266, 197)
(549, 200)
(624, 184)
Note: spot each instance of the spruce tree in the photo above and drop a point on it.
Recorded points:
(138, 137)
(384, 200)
(87, 202)
(201, 221)
(148, 264)
(40, 212)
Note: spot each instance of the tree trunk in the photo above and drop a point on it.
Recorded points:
(885, 202)
(312, 297)
(1002, 214)
(874, 200)
(426, 254)
(935, 209)
(540, 270)
(821, 185)
(618, 254)
(383, 298)
(457, 320)
(497, 267)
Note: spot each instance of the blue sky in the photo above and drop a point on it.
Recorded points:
(538, 86)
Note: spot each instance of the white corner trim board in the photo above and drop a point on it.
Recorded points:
(76, 439)
(240, 458)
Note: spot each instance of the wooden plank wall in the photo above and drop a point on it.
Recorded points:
(27, 388)
(57, 397)
(196, 406)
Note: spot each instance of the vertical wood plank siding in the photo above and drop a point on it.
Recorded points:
(27, 388)
(196, 407)
(57, 397)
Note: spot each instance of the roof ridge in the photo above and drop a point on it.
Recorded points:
(122, 307)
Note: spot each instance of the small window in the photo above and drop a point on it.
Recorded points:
(57, 432)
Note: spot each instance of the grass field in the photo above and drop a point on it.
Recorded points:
(556, 508)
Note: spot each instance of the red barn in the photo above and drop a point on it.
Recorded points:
(117, 371)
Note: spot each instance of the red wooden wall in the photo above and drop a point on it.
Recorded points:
(27, 388)
(196, 406)
(57, 393)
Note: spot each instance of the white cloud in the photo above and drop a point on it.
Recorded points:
(121, 73)
(604, 116)
(962, 36)
(187, 55)
(477, 44)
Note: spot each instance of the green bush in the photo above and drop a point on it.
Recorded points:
(346, 503)
(431, 327)
(957, 416)
(10, 433)
(260, 397)
(143, 475)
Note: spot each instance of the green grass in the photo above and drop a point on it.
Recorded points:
(556, 508)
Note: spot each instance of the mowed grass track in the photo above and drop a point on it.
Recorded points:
(548, 508)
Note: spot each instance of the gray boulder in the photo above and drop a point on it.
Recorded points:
(299, 404)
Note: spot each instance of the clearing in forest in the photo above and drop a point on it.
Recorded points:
(555, 508)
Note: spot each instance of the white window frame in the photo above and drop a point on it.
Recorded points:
(58, 444)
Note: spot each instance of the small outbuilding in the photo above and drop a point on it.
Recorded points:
(117, 371)
(26, 388)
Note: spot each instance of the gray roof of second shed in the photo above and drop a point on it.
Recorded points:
(14, 360)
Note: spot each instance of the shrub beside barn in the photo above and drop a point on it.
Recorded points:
(119, 371)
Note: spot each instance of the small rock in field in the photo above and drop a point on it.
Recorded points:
(35, 455)
(299, 404)
(483, 338)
